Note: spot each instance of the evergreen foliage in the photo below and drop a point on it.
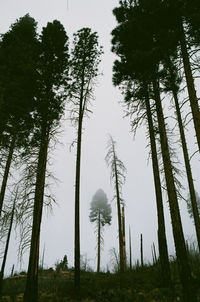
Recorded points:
(100, 213)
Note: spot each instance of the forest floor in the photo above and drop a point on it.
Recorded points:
(143, 284)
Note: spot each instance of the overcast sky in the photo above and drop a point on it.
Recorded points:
(58, 228)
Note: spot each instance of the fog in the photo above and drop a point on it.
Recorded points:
(57, 233)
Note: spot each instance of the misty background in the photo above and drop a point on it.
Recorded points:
(57, 232)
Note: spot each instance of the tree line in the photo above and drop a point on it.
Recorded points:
(39, 74)
(152, 40)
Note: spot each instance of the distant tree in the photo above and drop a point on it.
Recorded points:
(52, 68)
(100, 213)
(189, 205)
(85, 58)
(62, 265)
(118, 177)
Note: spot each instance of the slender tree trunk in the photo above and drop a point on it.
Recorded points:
(31, 290)
(42, 264)
(182, 258)
(124, 238)
(162, 240)
(77, 196)
(153, 257)
(99, 244)
(7, 170)
(154, 251)
(190, 85)
(12, 271)
(6, 248)
(119, 219)
(141, 251)
(187, 161)
(130, 249)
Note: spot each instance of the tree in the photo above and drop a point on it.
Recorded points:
(118, 177)
(137, 98)
(189, 205)
(85, 58)
(124, 237)
(10, 216)
(171, 83)
(18, 73)
(62, 265)
(100, 213)
(53, 66)
(136, 44)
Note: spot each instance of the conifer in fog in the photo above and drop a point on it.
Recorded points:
(100, 213)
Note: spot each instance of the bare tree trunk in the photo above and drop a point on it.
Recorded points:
(162, 240)
(7, 170)
(124, 238)
(190, 85)
(119, 219)
(77, 198)
(153, 256)
(6, 248)
(141, 250)
(31, 290)
(186, 158)
(154, 251)
(42, 264)
(182, 258)
(99, 244)
(130, 249)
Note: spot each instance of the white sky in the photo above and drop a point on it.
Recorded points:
(58, 229)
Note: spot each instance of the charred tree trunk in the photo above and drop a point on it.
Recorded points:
(124, 238)
(154, 251)
(7, 170)
(190, 85)
(182, 257)
(130, 249)
(119, 218)
(6, 248)
(162, 241)
(153, 257)
(31, 290)
(141, 251)
(99, 244)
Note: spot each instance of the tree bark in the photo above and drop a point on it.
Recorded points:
(7, 170)
(31, 290)
(6, 248)
(162, 240)
(99, 244)
(190, 85)
(181, 253)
